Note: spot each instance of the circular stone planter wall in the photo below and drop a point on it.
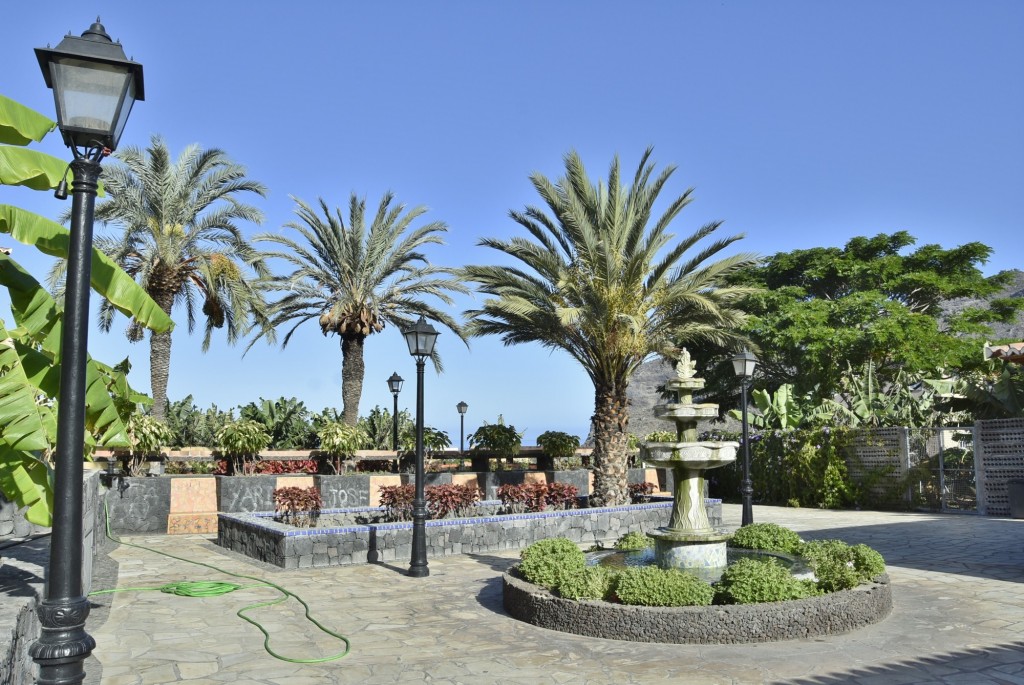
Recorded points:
(838, 612)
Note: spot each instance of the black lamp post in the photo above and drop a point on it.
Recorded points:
(743, 364)
(395, 384)
(420, 338)
(94, 87)
(462, 407)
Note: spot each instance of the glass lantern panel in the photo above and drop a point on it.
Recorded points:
(88, 95)
(126, 109)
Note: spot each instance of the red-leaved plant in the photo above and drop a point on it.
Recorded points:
(640, 493)
(299, 507)
(530, 497)
(397, 501)
(441, 500)
(287, 466)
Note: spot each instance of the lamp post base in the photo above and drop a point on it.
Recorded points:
(63, 646)
(748, 503)
(418, 572)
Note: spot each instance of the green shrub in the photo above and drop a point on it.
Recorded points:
(749, 581)
(867, 561)
(837, 566)
(550, 546)
(634, 541)
(549, 570)
(546, 562)
(652, 586)
(591, 582)
(767, 536)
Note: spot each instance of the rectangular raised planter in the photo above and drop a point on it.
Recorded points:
(260, 537)
(190, 504)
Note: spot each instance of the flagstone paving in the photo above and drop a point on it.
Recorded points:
(958, 617)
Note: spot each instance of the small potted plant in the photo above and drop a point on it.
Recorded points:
(338, 443)
(557, 446)
(495, 439)
(145, 436)
(241, 442)
(434, 440)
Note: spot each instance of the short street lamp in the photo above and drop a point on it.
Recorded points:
(420, 338)
(743, 364)
(94, 87)
(462, 407)
(395, 384)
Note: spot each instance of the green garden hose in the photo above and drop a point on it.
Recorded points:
(215, 589)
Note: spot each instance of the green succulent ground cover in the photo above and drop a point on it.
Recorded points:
(631, 542)
(769, 537)
(559, 565)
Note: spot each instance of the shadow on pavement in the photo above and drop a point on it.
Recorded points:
(964, 545)
(961, 664)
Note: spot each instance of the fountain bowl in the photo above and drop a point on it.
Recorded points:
(690, 455)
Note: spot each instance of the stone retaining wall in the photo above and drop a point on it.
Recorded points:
(260, 537)
(838, 612)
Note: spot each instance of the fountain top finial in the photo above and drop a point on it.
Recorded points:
(685, 367)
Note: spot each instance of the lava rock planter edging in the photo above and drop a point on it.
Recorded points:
(837, 612)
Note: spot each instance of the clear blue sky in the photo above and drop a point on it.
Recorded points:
(800, 124)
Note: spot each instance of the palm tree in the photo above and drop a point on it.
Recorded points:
(600, 280)
(355, 280)
(178, 237)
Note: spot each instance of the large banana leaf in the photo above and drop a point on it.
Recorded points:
(30, 168)
(20, 125)
(24, 425)
(36, 312)
(107, 278)
(28, 482)
(42, 325)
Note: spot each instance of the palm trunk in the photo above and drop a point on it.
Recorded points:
(160, 361)
(610, 422)
(352, 370)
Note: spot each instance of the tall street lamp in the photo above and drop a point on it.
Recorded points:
(462, 407)
(94, 87)
(420, 338)
(395, 384)
(743, 364)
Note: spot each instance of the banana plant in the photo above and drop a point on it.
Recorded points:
(868, 403)
(30, 353)
(783, 410)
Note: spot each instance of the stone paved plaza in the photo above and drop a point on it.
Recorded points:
(958, 617)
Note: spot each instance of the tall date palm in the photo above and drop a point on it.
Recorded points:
(354, 279)
(178, 237)
(601, 279)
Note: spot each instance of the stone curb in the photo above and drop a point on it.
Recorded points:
(837, 612)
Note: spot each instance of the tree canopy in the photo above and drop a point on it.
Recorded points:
(824, 310)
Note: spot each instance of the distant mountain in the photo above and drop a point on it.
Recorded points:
(643, 395)
(1014, 331)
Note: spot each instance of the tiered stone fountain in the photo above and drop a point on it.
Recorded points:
(688, 542)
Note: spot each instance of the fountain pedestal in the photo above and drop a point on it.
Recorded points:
(688, 542)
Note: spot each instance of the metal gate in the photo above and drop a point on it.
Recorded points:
(942, 464)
